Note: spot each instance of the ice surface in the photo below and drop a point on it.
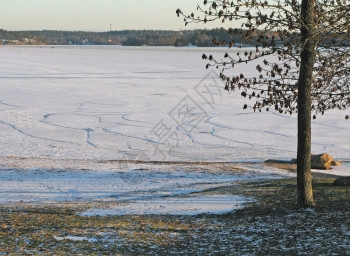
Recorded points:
(81, 105)
(126, 102)
(342, 170)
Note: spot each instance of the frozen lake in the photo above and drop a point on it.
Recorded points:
(148, 102)
(135, 103)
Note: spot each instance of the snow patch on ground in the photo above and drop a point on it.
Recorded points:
(142, 189)
(76, 239)
(141, 182)
(193, 205)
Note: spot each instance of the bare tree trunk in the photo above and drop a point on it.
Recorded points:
(309, 42)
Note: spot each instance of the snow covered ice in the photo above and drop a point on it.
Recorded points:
(106, 103)
(98, 103)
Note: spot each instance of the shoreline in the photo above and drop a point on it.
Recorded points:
(50, 181)
(74, 163)
(266, 226)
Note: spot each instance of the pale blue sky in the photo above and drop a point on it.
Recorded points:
(94, 15)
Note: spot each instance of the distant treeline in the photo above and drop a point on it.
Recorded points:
(125, 37)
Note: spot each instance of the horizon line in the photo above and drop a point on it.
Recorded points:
(108, 31)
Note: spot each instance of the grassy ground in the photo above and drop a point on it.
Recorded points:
(272, 225)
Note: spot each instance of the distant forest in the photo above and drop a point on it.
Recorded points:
(201, 38)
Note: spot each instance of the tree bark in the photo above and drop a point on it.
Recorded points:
(308, 53)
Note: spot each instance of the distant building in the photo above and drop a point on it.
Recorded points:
(85, 42)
